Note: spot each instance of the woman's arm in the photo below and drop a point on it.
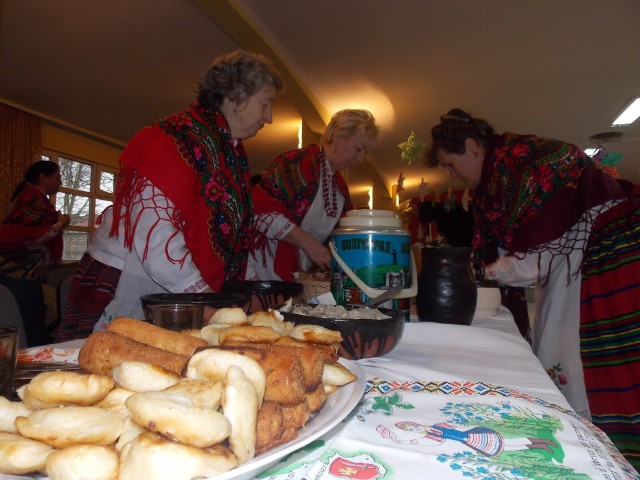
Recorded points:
(313, 249)
(161, 246)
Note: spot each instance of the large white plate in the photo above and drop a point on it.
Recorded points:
(337, 406)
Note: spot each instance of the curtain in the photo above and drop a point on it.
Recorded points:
(20, 146)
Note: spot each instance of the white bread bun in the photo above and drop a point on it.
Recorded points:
(213, 364)
(67, 426)
(177, 418)
(152, 457)
(229, 316)
(60, 387)
(240, 407)
(19, 455)
(83, 462)
(142, 377)
(203, 393)
(9, 411)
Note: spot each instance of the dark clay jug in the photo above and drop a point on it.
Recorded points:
(446, 286)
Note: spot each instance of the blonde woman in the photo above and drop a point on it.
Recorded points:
(302, 195)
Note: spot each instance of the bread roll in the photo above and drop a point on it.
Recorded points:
(19, 455)
(149, 334)
(104, 350)
(66, 426)
(284, 372)
(152, 457)
(59, 387)
(86, 462)
(143, 377)
(9, 411)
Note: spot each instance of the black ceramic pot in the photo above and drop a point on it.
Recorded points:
(446, 286)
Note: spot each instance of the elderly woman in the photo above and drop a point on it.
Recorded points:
(545, 213)
(33, 222)
(182, 216)
(302, 195)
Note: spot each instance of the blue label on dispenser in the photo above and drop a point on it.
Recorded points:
(380, 261)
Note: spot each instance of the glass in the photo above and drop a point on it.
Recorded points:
(177, 316)
(8, 358)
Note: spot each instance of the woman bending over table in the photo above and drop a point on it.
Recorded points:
(182, 217)
(302, 195)
(545, 212)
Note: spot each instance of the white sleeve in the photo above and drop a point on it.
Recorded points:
(517, 272)
(274, 225)
(158, 239)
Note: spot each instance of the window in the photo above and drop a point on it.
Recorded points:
(87, 189)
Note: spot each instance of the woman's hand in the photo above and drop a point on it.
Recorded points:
(313, 249)
(318, 254)
(64, 220)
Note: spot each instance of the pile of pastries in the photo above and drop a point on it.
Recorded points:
(155, 404)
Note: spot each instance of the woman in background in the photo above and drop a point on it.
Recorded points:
(32, 222)
(181, 220)
(302, 195)
(546, 213)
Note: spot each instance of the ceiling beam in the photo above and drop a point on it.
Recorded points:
(238, 25)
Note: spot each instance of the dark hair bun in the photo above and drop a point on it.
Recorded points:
(457, 115)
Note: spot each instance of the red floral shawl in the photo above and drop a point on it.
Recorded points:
(532, 191)
(191, 157)
(288, 187)
(28, 223)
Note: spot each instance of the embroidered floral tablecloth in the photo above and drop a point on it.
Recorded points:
(454, 430)
(456, 402)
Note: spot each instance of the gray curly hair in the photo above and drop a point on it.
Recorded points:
(237, 76)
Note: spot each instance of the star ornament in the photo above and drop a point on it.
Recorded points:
(411, 149)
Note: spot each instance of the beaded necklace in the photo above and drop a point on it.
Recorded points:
(330, 208)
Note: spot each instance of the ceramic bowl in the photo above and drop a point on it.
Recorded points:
(265, 294)
(213, 300)
(362, 338)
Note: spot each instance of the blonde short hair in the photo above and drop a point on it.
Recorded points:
(351, 122)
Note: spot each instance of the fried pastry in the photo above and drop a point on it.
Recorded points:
(92, 462)
(154, 336)
(104, 350)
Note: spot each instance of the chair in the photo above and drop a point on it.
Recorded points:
(56, 275)
(11, 314)
(20, 263)
(62, 293)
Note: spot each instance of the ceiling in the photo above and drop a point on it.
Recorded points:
(558, 69)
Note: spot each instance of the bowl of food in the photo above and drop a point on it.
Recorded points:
(265, 294)
(366, 332)
(214, 300)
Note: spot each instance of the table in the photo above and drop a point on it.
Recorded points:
(456, 402)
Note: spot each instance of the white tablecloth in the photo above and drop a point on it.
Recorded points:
(456, 402)
(453, 402)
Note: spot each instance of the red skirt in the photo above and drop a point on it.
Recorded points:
(610, 326)
(93, 287)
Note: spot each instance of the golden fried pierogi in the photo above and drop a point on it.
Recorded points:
(177, 418)
(143, 377)
(66, 426)
(86, 462)
(152, 456)
(59, 387)
(20, 455)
